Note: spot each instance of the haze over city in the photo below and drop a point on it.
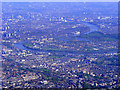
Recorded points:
(60, 0)
(59, 44)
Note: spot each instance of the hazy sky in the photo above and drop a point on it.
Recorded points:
(59, 0)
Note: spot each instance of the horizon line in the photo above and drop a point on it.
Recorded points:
(63, 1)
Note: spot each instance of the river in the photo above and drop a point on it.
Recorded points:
(91, 26)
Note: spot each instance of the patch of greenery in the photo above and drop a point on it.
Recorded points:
(28, 44)
(99, 36)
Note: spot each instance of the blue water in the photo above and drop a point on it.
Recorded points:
(92, 29)
(20, 46)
